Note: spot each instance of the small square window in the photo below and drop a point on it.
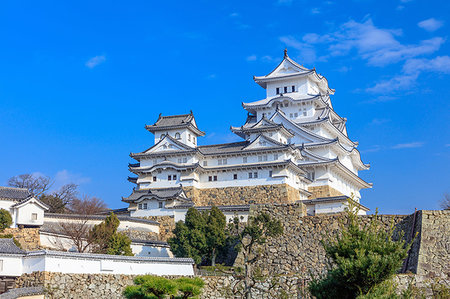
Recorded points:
(278, 90)
(244, 160)
(34, 216)
(255, 175)
(210, 178)
(140, 206)
(250, 175)
(220, 162)
(145, 206)
(169, 177)
(235, 176)
(275, 156)
(290, 115)
(160, 205)
(264, 158)
(154, 179)
(174, 177)
(304, 113)
(179, 160)
(259, 158)
(295, 114)
(205, 163)
(215, 178)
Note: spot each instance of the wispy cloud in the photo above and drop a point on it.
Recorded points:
(234, 15)
(408, 145)
(379, 121)
(315, 10)
(379, 99)
(285, 2)
(430, 24)
(94, 61)
(373, 149)
(64, 177)
(251, 58)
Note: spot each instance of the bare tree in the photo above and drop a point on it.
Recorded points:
(37, 184)
(58, 200)
(87, 205)
(445, 202)
(76, 232)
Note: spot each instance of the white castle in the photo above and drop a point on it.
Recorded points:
(295, 148)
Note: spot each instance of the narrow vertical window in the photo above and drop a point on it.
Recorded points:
(154, 179)
(275, 156)
(189, 137)
(160, 205)
(278, 90)
(34, 216)
(235, 176)
(210, 178)
(244, 160)
(140, 206)
(145, 206)
(169, 177)
(205, 163)
(270, 173)
(293, 88)
(250, 175)
(177, 135)
(285, 89)
(184, 160)
(215, 178)
(174, 177)
(255, 175)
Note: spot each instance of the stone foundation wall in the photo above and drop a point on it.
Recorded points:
(27, 237)
(299, 249)
(323, 191)
(140, 235)
(434, 254)
(280, 193)
(166, 226)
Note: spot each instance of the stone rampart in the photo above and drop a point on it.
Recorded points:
(279, 193)
(27, 237)
(322, 191)
(166, 226)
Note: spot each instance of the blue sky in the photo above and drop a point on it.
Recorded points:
(79, 80)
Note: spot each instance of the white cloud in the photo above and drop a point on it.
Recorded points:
(64, 177)
(373, 149)
(430, 24)
(251, 58)
(408, 145)
(396, 83)
(380, 99)
(307, 52)
(440, 64)
(315, 10)
(94, 61)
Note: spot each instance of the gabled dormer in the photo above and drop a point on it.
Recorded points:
(289, 78)
(182, 128)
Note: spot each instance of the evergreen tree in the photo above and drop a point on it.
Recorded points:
(201, 236)
(361, 257)
(105, 238)
(5, 219)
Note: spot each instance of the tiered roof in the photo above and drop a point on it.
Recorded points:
(14, 194)
(161, 194)
(182, 121)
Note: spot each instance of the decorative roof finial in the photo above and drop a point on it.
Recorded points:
(285, 52)
(191, 112)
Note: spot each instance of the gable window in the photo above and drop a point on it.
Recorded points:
(285, 89)
(215, 178)
(177, 135)
(154, 179)
(160, 205)
(140, 206)
(145, 206)
(174, 177)
(205, 163)
(210, 178)
(293, 88)
(235, 176)
(250, 175)
(278, 90)
(34, 216)
(244, 160)
(169, 177)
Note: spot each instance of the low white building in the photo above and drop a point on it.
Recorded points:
(15, 262)
(25, 209)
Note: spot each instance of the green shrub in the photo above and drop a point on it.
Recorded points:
(190, 287)
(148, 286)
(156, 287)
(5, 219)
(361, 257)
